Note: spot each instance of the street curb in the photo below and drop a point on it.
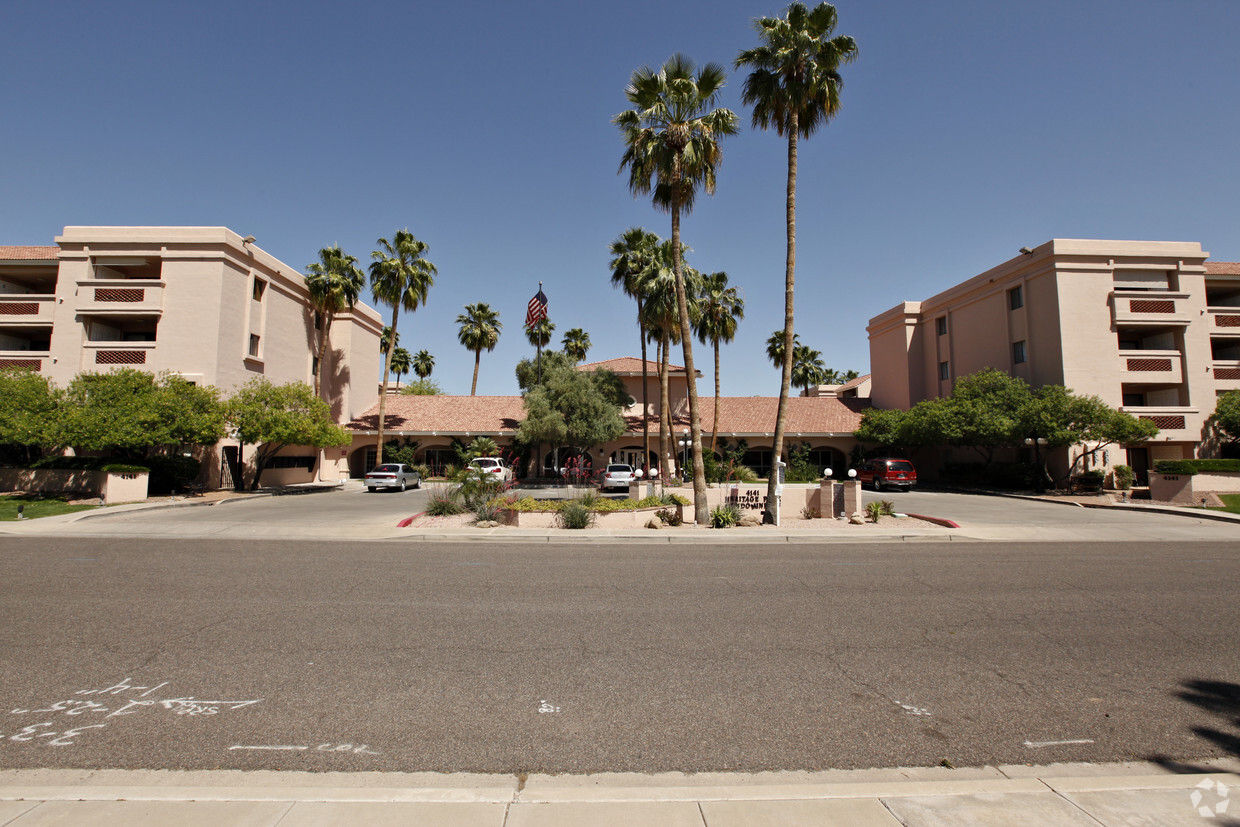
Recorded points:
(1178, 511)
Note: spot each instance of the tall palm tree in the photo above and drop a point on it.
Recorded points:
(632, 258)
(334, 282)
(539, 333)
(671, 147)
(400, 275)
(775, 347)
(807, 367)
(576, 344)
(480, 329)
(423, 363)
(385, 337)
(401, 362)
(795, 88)
(721, 307)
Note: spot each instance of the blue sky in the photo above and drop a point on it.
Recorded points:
(969, 129)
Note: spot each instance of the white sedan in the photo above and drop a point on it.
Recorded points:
(616, 475)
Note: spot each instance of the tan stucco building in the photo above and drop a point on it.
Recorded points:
(1150, 327)
(202, 302)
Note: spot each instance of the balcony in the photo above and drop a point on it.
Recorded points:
(96, 355)
(1162, 367)
(120, 297)
(28, 359)
(1226, 375)
(1175, 424)
(1149, 307)
(26, 309)
(1224, 321)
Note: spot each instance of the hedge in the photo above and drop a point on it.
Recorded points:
(1189, 467)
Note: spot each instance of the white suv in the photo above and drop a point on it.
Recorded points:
(494, 466)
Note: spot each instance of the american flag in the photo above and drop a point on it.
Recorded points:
(536, 311)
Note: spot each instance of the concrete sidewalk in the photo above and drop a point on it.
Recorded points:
(1063, 794)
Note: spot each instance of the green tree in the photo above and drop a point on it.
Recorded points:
(131, 413)
(422, 386)
(576, 344)
(386, 337)
(633, 257)
(479, 331)
(672, 147)
(570, 406)
(334, 283)
(423, 363)
(400, 276)
(401, 363)
(775, 347)
(807, 367)
(721, 308)
(794, 87)
(30, 407)
(272, 417)
(1227, 416)
(540, 332)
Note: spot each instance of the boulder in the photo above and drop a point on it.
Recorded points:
(750, 521)
(654, 522)
(856, 519)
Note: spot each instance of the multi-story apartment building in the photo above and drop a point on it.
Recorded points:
(202, 302)
(1150, 327)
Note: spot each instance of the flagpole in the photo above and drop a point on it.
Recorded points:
(539, 343)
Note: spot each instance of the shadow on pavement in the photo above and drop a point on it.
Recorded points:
(1222, 699)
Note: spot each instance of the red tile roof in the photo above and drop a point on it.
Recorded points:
(26, 253)
(1223, 268)
(852, 383)
(445, 414)
(740, 415)
(629, 365)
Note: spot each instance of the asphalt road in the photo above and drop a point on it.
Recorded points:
(202, 653)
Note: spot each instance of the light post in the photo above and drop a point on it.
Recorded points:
(685, 443)
(1037, 459)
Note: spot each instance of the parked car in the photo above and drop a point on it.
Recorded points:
(891, 472)
(392, 475)
(616, 475)
(492, 465)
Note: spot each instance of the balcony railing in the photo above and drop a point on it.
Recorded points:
(120, 296)
(29, 359)
(1225, 320)
(1149, 307)
(1155, 366)
(104, 354)
(1226, 375)
(1174, 423)
(26, 308)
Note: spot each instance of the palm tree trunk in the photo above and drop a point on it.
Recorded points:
(327, 329)
(665, 409)
(701, 512)
(387, 368)
(473, 389)
(781, 416)
(714, 434)
(641, 329)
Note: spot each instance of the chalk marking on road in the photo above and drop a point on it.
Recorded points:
(1036, 744)
(544, 706)
(913, 710)
(273, 748)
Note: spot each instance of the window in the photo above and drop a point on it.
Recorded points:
(306, 463)
(253, 345)
(940, 325)
(260, 287)
(1018, 353)
(1133, 400)
(1016, 298)
(944, 371)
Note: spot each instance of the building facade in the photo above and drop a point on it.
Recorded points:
(201, 302)
(825, 423)
(1150, 327)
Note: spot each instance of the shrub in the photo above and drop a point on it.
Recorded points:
(492, 511)
(574, 514)
(169, 472)
(1189, 467)
(810, 513)
(1093, 475)
(672, 499)
(743, 473)
(725, 516)
(874, 511)
(887, 507)
(1010, 476)
(122, 468)
(424, 470)
(1124, 476)
(444, 504)
(669, 517)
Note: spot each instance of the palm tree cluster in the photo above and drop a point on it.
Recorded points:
(671, 139)
(400, 276)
